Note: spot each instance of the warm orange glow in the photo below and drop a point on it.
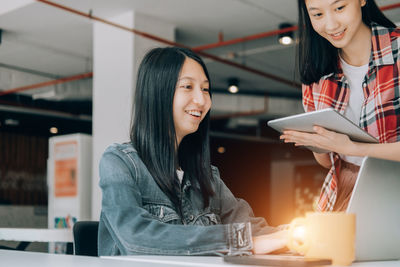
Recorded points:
(221, 150)
(299, 233)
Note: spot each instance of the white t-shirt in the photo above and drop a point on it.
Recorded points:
(180, 174)
(355, 78)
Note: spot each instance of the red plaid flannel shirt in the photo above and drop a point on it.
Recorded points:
(380, 114)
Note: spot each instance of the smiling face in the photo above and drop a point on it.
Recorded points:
(192, 99)
(338, 21)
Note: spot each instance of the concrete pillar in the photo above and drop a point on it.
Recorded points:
(116, 55)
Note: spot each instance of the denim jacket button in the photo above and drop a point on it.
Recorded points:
(191, 217)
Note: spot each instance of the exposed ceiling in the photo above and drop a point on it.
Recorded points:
(56, 42)
(41, 39)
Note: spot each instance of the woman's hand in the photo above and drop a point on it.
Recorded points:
(323, 139)
(265, 244)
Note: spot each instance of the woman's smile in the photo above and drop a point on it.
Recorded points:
(338, 35)
(194, 113)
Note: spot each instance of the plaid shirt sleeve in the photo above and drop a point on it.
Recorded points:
(308, 100)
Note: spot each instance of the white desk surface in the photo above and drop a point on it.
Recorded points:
(36, 234)
(218, 261)
(36, 259)
(12, 258)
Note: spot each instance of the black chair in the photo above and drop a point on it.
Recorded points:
(85, 238)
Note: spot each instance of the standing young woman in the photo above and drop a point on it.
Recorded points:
(160, 193)
(349, 60)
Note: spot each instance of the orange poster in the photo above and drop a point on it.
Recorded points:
(65, 169)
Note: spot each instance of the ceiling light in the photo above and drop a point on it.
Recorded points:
(233, 85)
(53, 130)
(285, 38)
(233, 89)
(221, 150)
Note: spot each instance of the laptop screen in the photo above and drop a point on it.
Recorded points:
(376, 203)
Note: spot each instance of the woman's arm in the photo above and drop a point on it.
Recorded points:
(390, 151)
(342, 144)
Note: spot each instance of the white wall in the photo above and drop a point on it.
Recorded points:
(10, 5)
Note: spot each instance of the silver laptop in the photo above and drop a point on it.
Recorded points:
(376, 203)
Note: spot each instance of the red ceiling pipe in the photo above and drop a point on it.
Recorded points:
(245, 39)
(265, 34)
(165, 41)
(392, 6)
(48, 83)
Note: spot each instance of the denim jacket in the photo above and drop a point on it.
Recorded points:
(138, 218)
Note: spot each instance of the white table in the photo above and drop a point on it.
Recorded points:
(27, 235)
(12, 258)
(35, 259)
(36, 235)
(217, 261)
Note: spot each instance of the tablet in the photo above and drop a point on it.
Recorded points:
(328, 118)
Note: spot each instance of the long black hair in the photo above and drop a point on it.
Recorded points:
(316, 55)
(153, 132)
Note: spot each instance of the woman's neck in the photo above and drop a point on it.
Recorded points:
(358, 52)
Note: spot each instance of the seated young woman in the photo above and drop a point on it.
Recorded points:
(161, 195)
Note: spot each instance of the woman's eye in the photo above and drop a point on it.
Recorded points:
(317, 15)
(340, 8)
(187, 86)
(206, 89)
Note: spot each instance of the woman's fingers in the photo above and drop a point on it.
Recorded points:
(322, 138)
(299, 138)
(319, 130)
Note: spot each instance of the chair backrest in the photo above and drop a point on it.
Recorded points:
(85, 238)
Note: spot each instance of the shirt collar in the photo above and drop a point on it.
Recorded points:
(381, 53)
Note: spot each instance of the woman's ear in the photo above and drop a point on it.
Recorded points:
(363, 2)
